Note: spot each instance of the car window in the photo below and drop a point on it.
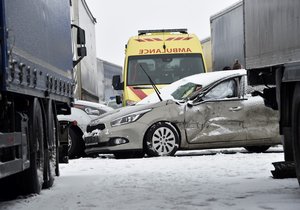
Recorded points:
(226, 89)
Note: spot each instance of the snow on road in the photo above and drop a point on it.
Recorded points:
(191, 180)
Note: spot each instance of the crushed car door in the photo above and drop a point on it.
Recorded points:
(218, 116)
(261, 121)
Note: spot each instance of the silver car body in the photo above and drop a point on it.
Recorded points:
(209, 120)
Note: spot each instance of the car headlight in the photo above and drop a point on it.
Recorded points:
(129, 118)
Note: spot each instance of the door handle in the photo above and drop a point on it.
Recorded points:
(235, 108)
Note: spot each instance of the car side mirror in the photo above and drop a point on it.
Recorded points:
(189, 104)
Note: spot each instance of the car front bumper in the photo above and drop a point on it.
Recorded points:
(112, 139)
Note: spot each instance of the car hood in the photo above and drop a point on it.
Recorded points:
(130, 109)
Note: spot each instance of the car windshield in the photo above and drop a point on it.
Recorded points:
(186, 90)
(163, 69)
(179, 90)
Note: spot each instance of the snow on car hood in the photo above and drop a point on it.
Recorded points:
(203, 79)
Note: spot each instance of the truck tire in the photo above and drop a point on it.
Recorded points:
(57, 131)
(51, 151)
(296, 129)
(76, 145)
(33, 177)
(287, 143)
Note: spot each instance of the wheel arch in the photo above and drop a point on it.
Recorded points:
(77, 129)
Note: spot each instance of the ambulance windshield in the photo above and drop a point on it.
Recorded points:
(163, 69)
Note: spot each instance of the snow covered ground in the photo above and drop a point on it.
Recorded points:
(202, 179)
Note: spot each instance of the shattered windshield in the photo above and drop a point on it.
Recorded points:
(186, 91)
(163, 69)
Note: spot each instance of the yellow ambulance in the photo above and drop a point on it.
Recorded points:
(165, 55)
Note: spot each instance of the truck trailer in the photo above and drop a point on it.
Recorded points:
(264, 36)
(36, 84)
(227, 37)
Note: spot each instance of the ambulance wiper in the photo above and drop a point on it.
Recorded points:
(152, 83)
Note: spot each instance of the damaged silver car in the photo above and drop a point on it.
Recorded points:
(209, 110)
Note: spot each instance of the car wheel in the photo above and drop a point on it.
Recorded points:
(257, 149)
(76, 146)
(162, 139)
(129, 154)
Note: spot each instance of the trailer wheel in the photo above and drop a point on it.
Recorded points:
(51, 152)
(287, 143)
(57, 131)
(296, 129)
(34, 176)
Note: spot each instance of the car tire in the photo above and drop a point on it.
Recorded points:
(76, 147)
(162, 139)
(257, 149)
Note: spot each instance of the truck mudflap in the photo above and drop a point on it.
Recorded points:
(284, 169)
(63, 154)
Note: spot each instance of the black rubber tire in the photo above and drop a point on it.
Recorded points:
(33, 177)
(51, 151)
(57, 131)
(76, 149)
(287, 143)
(162, 139)
(257, 149)
(296, 129)
(129, 154)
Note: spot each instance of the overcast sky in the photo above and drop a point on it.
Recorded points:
(117, 20)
